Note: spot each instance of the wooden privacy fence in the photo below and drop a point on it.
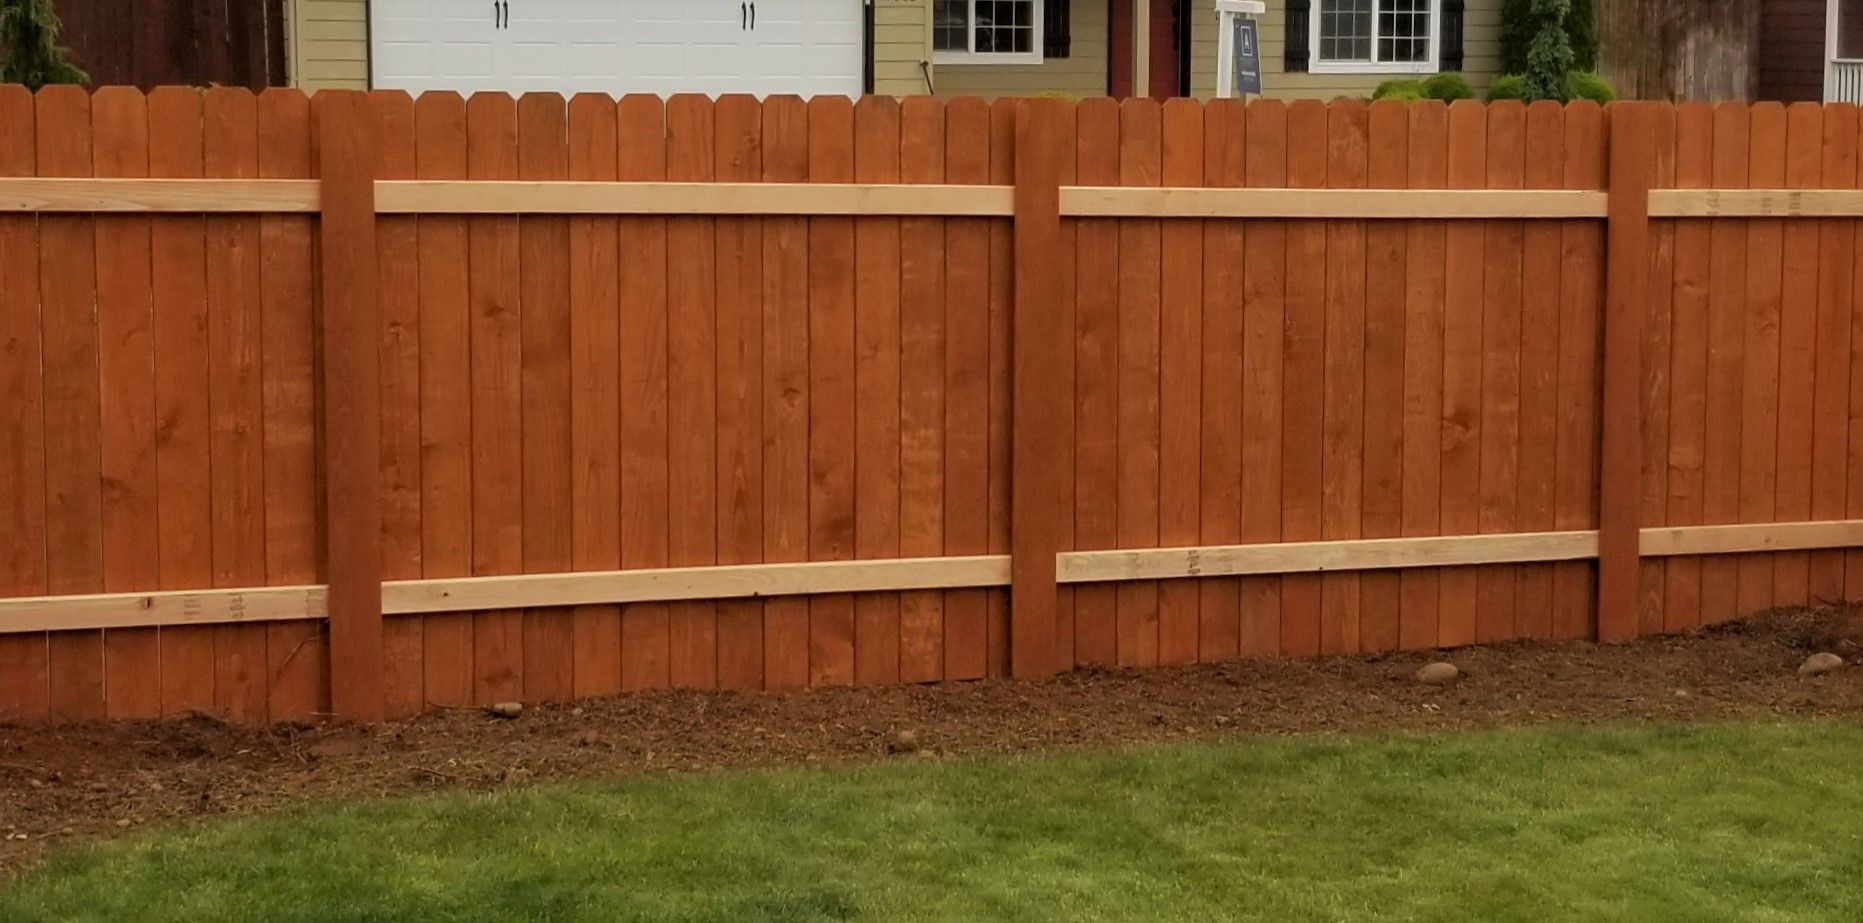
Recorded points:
(369, 404)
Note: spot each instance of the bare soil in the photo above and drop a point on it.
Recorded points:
(60, 785)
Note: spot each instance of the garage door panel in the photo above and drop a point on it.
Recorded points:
(806, 47)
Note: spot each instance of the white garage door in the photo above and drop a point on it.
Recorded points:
(806, 47)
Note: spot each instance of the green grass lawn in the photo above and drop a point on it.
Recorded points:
(1729, 822)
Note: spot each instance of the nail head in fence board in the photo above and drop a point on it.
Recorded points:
(1040, 403)
(352, 403)
(1632, 165)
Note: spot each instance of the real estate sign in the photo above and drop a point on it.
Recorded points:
(1247, 60)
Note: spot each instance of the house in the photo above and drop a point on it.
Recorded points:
(1319, 48)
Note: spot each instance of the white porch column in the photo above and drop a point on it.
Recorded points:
(1141, 47)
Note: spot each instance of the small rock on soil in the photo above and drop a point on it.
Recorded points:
(1440, 673)
(1820, 663)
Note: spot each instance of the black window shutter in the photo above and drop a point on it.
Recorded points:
(1057, 39)
(1452, 35)
(1299, 28)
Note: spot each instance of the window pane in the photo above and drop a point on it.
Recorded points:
(1850, 28)
(1345, 30)
(950, 20)
(1005, 26)
(1404, 30)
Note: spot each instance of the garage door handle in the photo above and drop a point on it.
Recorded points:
(743, 16)
(753, 15)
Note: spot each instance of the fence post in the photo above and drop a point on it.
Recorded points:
(1041, 403)
(351, 411)
(1632, 128)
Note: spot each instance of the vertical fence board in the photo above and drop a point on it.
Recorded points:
(445, 400)
(1798, 303)
(1381, 515)
(1424, 288)
(1539, 367)
(1001, 309)
(184, 538)
(1140, 148)
(1264, 290)
(1759, 374)
(23, 666)
(1342, 420)
(1831, 348)
(595, 394)
(496, 398)
(692, 386)
(1303, 392)
(1500, 370)
(1219, 427)
(967, 396)
(1688, 385)
(1180, 392)
(1726, 300)
(1096, 394)
(831, 391)
(1464, 278)
(544, 331)
(922, 483)
(74, 499)
(877, 391)
(737, 158)
(1656, 361)
(1831, 355)
(398, 285)
(236, 400)
(295, 671)
(1580, 296)
(786, 392)
(126, 368)
(640, 152)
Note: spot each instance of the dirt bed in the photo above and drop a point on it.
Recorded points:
(60, 785)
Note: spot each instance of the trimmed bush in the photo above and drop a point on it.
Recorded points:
(1587, 85)
(1518, 26)
(1507, 86)
(1404, 88)
(1448, 87)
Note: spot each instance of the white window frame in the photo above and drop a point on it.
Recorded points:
(1032, 56)
(1319, 65)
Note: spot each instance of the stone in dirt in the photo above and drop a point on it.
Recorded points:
(505, 709)
(1440, 673)
(1820, 663)
(905, 741)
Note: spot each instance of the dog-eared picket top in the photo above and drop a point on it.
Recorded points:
(1376, 376)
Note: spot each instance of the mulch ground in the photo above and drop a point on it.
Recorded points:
(67, 784)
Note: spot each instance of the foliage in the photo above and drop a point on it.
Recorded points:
(1519, 25)
(1587, 85)
(29, 49)
(1578, 85)
(1448, 87)
(1549, 51)
(1507, 86)
(1752, 821)
(1404, 88)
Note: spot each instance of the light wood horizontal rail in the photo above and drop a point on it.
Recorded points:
(413, 597)
(684, 583)
(1756, 203)
(141, 610)
(53, 194)
(1768, 536)
(1312, 557)
(473, 197)
(1176, 202)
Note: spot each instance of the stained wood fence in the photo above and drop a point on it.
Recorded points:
(369, 404)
